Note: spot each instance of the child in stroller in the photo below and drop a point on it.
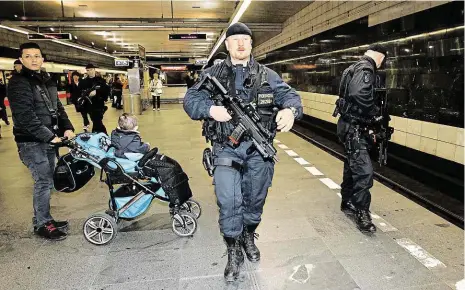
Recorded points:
(133, 183)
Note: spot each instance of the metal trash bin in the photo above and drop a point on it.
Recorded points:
(132, 104)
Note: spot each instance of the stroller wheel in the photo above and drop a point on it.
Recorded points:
(193, 207)
(184, 224)
(100, 229)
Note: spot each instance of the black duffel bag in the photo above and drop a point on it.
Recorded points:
(71, 174)
(173, 179)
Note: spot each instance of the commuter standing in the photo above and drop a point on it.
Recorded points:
(242, 176)
(156, 89)
(38, 117)
(75, 91)
(358, 111)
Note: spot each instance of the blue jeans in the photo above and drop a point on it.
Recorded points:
(40, 160)
(241, 195)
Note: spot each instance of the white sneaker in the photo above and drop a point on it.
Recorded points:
(153, 109)
(158, 109)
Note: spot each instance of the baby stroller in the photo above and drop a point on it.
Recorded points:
(133, 184)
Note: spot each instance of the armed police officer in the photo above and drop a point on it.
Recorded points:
(94, 92)
(242, 175)
(358, 109)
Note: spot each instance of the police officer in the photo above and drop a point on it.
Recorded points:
(97, 91)
(242, 176)
(359, 112)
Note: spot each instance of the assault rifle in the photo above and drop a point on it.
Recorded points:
(245, 119)
(381, 127)
(85, 100)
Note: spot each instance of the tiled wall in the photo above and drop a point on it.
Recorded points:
(443, 141)
(324, 15)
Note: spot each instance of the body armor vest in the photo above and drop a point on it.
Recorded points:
(260, 95)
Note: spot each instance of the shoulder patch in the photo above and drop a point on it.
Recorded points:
(366, 77)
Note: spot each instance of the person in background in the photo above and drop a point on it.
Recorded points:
(75, 91)
(3, 114)
(189, 80)
(96, 89)
(118, 92)
(156, 89)
(18, 66)
(39, 117)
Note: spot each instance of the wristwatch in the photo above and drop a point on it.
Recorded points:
(294, 111)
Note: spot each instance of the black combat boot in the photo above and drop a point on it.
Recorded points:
(363, 220)
(348, 207)
(248, 243)
(235, 259)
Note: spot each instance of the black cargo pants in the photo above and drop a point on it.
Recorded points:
(358, 171)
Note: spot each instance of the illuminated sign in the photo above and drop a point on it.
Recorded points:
(121, 62)
(201, 61)
(187, 36)
(173, 68)
(49, 36)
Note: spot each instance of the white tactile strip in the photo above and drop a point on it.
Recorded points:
(415, 250)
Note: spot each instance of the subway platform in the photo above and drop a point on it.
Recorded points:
(305, 240)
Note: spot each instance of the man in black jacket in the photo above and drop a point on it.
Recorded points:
(38, 115)
(96, 89)
(352, 130)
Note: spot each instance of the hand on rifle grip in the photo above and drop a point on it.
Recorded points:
(219, 113)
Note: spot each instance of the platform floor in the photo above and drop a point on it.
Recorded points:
(305, 241)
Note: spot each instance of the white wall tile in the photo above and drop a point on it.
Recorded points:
(447, 134)
(414, 127)
(428, 145)
(413, 141)
(445, 150)
(459, 154)
(429, 130)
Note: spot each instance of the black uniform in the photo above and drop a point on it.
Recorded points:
(353, 132)
(75, 92)
(97, 107)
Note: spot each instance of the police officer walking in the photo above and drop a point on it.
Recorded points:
(358, 111)
(241, 175)
(96, 89)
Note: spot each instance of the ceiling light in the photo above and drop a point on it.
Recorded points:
(93, 43)
(52, 29)
(14, 29)
(75, 37)
(105, 48)
(96, 26)
(82, 47)
(16, 16)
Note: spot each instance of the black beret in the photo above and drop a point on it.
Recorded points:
(238, 28)
(18, 62)
(378, 48)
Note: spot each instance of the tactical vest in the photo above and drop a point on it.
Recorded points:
(260, 96)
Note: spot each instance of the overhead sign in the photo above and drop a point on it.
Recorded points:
(188, 36)
(142, 53)
(121, 62)
(173, 67)
(49, 36)
(201, 61)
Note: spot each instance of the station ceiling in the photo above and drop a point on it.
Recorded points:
(121, 26)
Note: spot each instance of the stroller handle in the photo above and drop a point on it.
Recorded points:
(104, 164)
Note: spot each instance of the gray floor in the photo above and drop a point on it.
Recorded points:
(305, 241)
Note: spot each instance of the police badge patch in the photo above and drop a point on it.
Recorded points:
(265, 99)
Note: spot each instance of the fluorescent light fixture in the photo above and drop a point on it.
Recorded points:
(93, 43)
(82, 47)
(240, 12)
(116, 26)
(96, 26)
(16, 16)
(52, 29)
(14, 29)
(141, 26)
